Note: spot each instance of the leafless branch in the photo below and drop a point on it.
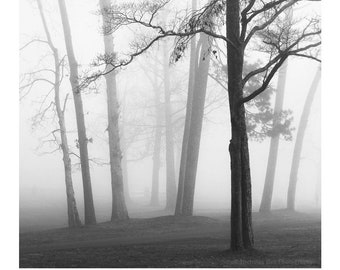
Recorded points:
(33, 41)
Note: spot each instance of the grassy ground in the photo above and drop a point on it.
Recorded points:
(283, 239)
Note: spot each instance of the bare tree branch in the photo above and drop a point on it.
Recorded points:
(33, 41)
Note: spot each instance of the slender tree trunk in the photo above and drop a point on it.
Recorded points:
(72, 211)
(241, 201)
(126, 178)
(155, 170)
(274, 142)
(299, 141)
(178, 152)
(119, 210)
(192, 70)
(73, 216)
(157, 149)
(90, 217)
(169, 143)
(124, 159)
(196, 121)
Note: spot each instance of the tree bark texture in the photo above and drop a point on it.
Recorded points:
(119, 210)
(274, 142)
(241, 202)
(293, 178)
(90, 217)
(72, 211)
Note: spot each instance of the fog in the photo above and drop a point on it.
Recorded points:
(42, 184)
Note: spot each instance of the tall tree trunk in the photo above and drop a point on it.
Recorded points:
(124, 159)
(169, 143)
(90, 217)
(299, 141)
(72, 211)
(178, 152)
(126, 178)
(192, 71)
(119, 210)
(241, 202)
(157, 148)
(196, 121)
(274, 142)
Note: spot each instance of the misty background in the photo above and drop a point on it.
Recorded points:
(42, 187)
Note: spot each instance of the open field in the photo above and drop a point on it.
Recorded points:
(283, 239)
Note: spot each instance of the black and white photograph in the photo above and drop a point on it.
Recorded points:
(170, 134)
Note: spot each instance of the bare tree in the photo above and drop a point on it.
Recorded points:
(119, 210)
(90, 217)
(72, 211)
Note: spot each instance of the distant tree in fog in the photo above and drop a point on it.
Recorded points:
(90, 217)
(274, 141)
(267, 195)
(156, 157)
(188, 113)
(293, 178)
(59, 107)
(124, 152)
(119, 210)
(191, 142)
(151, 125)
(177, 116)
(169, 139)
(246, 22)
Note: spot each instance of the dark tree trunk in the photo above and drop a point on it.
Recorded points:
(241, 202)
(299, 141)
(90, 217)
(196, 121)
(169, 143)
(119, 210)
(157, 149)
(247, 226)
(183, 159)
(274, 142)
(72, 211)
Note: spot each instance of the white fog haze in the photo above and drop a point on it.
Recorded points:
(136, 108)
(42, 188)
